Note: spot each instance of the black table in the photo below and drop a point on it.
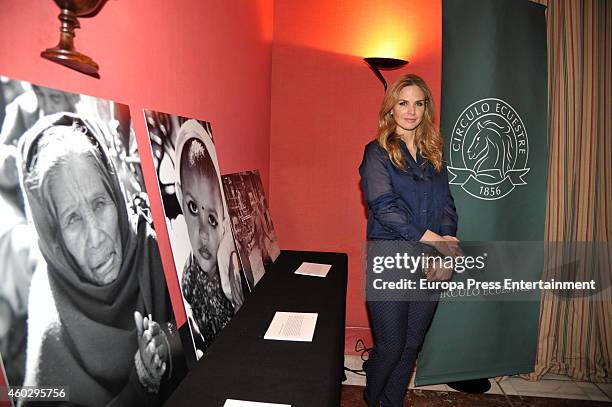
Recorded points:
(240, 364)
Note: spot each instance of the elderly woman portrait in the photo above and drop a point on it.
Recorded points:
(100, 319)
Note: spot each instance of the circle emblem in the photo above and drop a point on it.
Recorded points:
(489, 150)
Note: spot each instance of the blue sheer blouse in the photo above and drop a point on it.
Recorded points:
(402, 205)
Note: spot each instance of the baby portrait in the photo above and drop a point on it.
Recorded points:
(205, 256)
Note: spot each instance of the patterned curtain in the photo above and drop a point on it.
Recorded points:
(575, 334)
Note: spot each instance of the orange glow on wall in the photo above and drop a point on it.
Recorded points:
(387, 43)
(363, 28)
(325, 101)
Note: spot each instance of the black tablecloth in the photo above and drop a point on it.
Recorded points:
(240, 364)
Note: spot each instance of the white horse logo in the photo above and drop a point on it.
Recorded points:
(491, 148)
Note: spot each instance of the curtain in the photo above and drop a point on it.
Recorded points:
(575, 334)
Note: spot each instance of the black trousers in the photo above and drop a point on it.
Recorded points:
(399, 328)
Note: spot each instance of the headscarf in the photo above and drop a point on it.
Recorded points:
(90, 340)
(191, 129)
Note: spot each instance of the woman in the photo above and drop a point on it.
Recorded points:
(86, 327)
(405, 184)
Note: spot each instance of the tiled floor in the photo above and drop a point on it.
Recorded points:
(551, 387)
(352, 397)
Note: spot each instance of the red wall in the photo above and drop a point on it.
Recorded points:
(305, 128)
(325, 101)
(206, 59)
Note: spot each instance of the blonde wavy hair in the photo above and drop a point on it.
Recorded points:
(427, 138)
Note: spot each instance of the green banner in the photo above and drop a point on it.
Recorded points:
(494, 122)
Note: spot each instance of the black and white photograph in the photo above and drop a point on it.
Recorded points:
(3, 384)
(252, 223)
(205, 256)
(83, 300)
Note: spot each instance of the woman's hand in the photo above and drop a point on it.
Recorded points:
(439, 272)
(229, 268)
(453, 246)
(446, 245)
(152, 350)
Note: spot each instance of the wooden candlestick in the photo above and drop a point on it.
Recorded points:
(65, 53)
